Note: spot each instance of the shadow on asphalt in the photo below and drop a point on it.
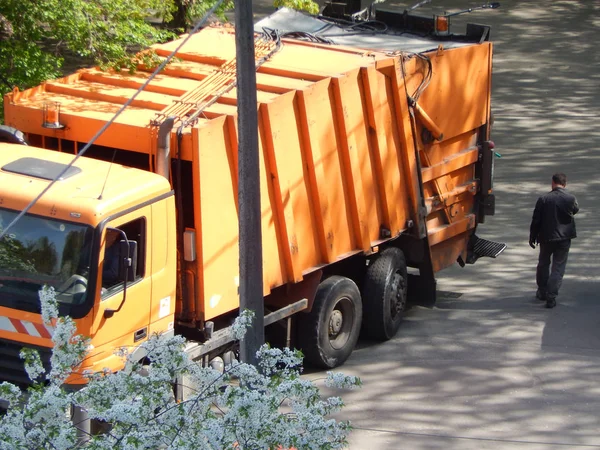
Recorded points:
(489, 361)
(488, 364)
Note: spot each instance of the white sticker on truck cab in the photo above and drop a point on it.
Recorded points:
(165, 307)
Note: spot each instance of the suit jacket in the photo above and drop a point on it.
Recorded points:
(553, 217)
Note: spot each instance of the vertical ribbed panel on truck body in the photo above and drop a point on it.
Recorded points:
(338, 158)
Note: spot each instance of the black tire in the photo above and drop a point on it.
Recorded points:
(385, 292)
(328, 333)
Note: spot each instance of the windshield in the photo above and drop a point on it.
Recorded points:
(38, 251)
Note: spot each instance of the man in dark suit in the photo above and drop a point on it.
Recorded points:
(553, 227)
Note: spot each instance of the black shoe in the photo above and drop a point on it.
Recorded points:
(540, 295)
(550, 303)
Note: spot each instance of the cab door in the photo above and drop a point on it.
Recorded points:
(123, 316)
(164, 266)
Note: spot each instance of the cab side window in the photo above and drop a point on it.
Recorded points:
(135, 232)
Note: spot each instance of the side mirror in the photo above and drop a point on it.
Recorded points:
(127, 270)
(127, 260)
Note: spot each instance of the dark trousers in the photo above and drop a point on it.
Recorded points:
(549, 281)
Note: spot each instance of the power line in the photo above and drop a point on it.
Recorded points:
(117, 114)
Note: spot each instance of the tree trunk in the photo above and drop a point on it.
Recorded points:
(180, 16)
(6, 29)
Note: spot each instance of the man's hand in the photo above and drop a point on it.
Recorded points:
(532, 243)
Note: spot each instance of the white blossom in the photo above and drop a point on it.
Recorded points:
(33, 363)
(49, 304)
(266, 407)
(10, 393)
(242, 323)
(341, 381)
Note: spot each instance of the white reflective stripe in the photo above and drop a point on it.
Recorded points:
(30, 328)
(6, 325)
(49, 329)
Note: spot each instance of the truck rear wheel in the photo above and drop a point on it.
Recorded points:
(385, 293)
(328, 333)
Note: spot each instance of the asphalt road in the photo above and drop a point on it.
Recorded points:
(489, 367)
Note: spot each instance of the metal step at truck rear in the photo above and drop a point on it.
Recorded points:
(479, 247)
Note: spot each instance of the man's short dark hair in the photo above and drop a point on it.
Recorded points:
(560, 179)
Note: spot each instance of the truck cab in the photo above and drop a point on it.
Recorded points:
(102, 237)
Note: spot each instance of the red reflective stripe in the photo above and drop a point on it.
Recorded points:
(18, 326)
(42, 330)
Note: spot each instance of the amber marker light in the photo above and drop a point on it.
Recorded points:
(51, 115)
(442, 25)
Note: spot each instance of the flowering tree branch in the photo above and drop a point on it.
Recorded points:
(243, 407)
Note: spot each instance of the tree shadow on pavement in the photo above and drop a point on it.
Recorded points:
(489, 366)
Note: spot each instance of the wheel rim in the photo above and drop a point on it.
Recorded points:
(397, 297)
(340, 323)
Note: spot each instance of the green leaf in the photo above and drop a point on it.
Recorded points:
(301, 5)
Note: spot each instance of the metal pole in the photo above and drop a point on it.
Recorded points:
(82, 422)
(251, 286)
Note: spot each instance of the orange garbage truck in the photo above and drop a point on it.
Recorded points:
(375, 163)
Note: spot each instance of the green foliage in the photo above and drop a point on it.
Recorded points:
(95, 31)
(187, 12)
(301, 5)
(38, 36)
(13, 256)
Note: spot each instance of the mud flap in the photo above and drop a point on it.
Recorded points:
(422, 288)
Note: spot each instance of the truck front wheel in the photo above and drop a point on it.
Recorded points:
(384, 293)
(328, 333)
